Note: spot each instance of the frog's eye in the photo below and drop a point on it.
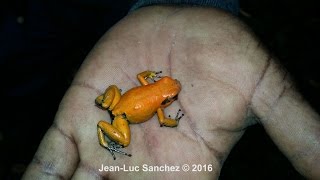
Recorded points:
(175, 97)
(166, 101)
(169, 100)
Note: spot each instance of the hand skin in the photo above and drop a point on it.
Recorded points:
(226, 76)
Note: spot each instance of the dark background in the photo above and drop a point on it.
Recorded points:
(42, 44)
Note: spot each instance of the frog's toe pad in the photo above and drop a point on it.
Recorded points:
(115, 148)
(178, 116)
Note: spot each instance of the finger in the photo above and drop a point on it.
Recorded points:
(56, 157)
(291, 123)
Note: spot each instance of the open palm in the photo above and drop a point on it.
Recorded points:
(208, 51)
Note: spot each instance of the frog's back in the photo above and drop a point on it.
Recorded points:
(139, 104)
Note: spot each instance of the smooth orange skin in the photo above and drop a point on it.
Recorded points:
(139, 104)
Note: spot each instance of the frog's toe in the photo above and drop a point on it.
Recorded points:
(115, 145)
(155, 74)
(115, 148)
(111, 151)
(178, 116)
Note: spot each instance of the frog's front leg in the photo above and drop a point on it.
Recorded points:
(118, 131)
(168, 121)
(147, 74)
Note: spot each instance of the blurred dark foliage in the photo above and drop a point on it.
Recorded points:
(43, 43)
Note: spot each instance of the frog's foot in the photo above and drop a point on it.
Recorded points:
(114, 147)
(169, 122)
(178, 115)
(143, 76)
(155, 75)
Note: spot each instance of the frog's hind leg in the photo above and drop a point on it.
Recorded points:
(109, 98)
(118, 132)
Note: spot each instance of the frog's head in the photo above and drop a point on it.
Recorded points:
(170, 90)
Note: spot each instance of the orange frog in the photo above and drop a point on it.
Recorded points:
(137, 105)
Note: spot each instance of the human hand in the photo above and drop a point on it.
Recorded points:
(226, 77)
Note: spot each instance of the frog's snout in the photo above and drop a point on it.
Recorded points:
(178, 82)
